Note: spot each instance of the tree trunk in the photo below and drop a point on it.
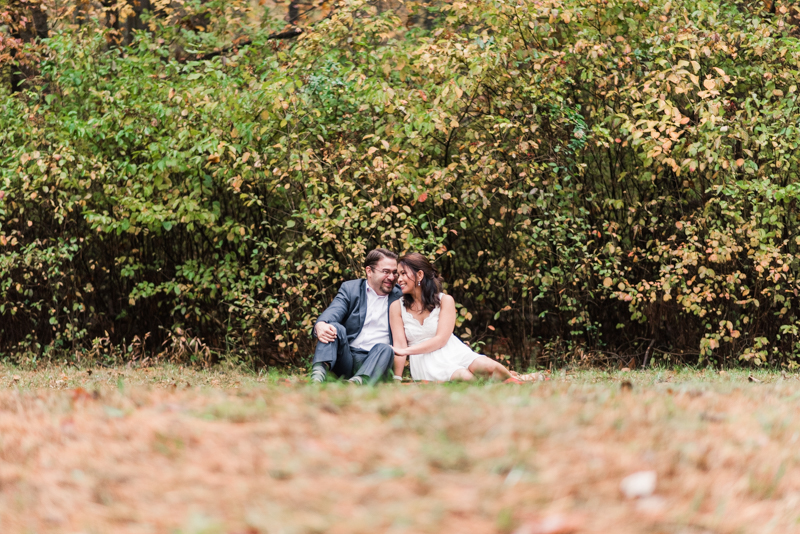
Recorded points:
(35, 28)
(134, 22)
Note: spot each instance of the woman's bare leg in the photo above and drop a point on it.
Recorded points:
(489, 368)
(399, 365)
(462, 374)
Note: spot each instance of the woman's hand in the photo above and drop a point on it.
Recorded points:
(401, 351)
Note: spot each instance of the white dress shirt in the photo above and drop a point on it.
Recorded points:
(376, 323)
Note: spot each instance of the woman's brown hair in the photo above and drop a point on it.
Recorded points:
(431, 283)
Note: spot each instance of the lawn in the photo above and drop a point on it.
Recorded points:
(183, 451)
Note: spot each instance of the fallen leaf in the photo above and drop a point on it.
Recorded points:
(712, 417)
(80, 394)
(751, 378)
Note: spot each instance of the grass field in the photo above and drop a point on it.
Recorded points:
(179, 451)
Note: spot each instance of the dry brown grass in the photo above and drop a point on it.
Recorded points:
(171, 450)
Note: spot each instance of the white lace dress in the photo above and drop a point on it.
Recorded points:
(438, 365)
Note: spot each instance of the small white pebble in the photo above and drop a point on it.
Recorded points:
(639, 484)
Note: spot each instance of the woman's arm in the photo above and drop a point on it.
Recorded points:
(398, 337)
(447, 322)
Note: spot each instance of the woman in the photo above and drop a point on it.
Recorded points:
(422, 323)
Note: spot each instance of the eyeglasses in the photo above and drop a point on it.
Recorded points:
(385, 272)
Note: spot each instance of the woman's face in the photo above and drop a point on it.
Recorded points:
(405, 279)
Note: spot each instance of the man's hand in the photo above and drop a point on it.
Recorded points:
(325, 332)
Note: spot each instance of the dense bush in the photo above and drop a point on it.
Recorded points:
(610, 175)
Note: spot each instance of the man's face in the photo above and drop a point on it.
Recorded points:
(382, 275)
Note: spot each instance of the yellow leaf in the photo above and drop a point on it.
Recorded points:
(458, 91)
(739, 162)
(709, 84)
(371, 150)
(608, 281)
(696, 66)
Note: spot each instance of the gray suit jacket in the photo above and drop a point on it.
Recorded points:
(349, 308)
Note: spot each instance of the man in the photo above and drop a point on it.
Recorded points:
(354, 338)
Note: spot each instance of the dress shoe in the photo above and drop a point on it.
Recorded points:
(318, 372)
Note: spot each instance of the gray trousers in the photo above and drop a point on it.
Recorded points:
(347, 362)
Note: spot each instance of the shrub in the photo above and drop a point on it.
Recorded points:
(601, 174)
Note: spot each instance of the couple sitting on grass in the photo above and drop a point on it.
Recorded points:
(398, 311)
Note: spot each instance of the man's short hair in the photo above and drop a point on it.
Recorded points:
(374, 256)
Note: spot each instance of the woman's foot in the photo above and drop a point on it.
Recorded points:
(530, 377)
